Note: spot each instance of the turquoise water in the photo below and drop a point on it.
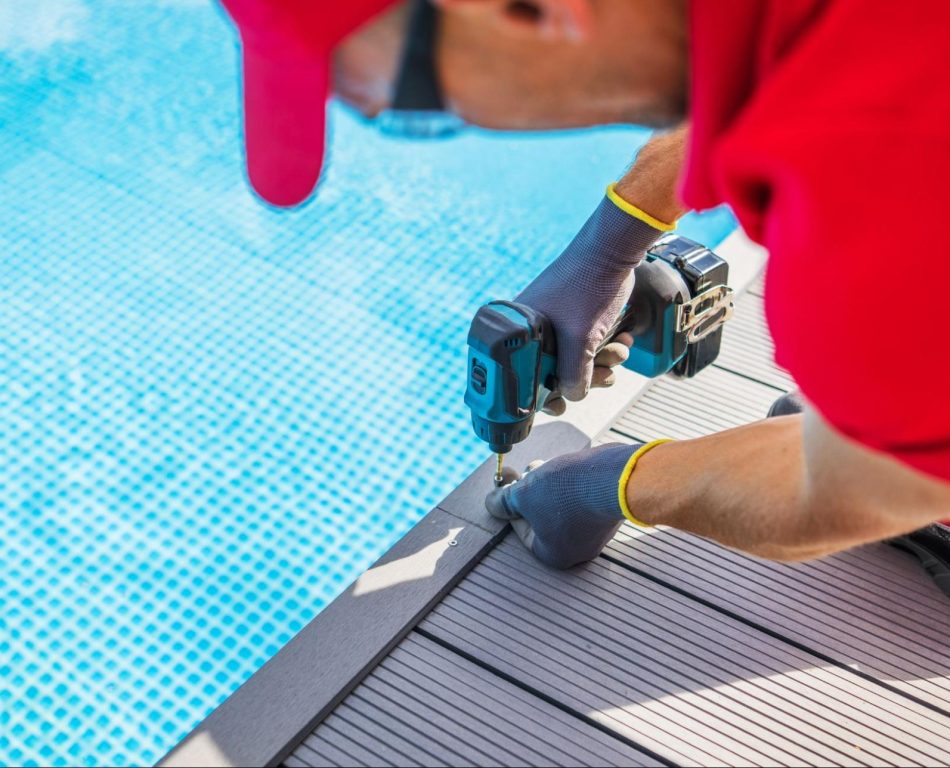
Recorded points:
(214, 415)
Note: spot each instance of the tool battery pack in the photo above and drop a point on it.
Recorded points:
(679, 305)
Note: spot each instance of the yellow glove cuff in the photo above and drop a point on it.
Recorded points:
(625, 478)
(631, 209)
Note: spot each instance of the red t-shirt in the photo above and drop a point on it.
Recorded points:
(826, 127)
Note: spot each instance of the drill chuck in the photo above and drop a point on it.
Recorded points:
(501, 436)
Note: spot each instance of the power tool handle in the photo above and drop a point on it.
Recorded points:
(637, 315)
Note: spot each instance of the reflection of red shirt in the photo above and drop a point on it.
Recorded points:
(826, 127)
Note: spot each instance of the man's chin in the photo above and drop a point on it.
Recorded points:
(667, 114)
(541, 123)
(523, 115)
(518, 118)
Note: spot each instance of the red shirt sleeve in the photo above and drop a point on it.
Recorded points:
(838, 161)
(854, 294)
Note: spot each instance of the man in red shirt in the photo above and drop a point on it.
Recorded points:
(823, 124)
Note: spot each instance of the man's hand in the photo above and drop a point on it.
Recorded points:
(566, 510)
(787, 488)
(583, 291)
(611, 355)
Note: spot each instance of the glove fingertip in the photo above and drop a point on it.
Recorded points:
(603, 377)
(575, 392)
(624, 339)
(574, 372)
(524, 532)
(612, 355)
(496, 503)
(509, 475)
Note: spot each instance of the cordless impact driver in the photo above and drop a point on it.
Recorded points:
(675, 314)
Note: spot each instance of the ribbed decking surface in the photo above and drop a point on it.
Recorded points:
(667, 649)
(479, 719)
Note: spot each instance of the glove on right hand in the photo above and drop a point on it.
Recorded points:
(583, 291)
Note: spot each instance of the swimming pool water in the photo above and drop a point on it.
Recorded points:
(214, 415)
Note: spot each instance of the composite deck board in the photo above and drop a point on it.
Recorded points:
(757, 286)
(873, 610)
(425, 705)
(713, 400)
(668, 649)
(682, 679)
(747, 346)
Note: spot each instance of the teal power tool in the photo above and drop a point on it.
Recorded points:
(676, 314)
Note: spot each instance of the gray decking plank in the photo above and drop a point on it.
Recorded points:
(528, 745)
(673, 672)
(571, 742)
(677, 736)
(328, 755)
(842, 694)
(430, 721)
(495, 653)
(506, 749)
(490, 617)
(841, 583)
(757, 286)
(342, 732)
(747, 347)
(677, 667)
(587, 687)
(870, 631)
(462, 714)
(343, 727)
(376, 709)
(465, 731)
(391, 751)
(712, 401)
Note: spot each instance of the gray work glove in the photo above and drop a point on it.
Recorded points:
(566, 510)
(582, 293)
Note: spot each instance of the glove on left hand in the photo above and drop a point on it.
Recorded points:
(566, 509)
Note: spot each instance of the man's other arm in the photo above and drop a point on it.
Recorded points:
(788, 488)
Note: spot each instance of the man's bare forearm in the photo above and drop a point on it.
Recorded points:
(652, 182)
(780, 490)
(741, 487)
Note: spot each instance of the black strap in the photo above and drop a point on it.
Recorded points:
(417, 86)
